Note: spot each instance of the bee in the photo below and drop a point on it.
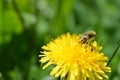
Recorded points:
(87, 38)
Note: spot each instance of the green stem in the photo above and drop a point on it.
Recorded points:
(114, 53)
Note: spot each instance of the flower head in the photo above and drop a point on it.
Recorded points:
(73, 61)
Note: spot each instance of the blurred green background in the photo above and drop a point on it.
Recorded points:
(26, 25)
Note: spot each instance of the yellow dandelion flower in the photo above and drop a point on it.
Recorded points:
(73, 61)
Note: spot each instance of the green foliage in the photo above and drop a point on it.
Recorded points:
(26, 25)
(10, 23)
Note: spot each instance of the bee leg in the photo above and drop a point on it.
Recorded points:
(86, 45)
(92, 48)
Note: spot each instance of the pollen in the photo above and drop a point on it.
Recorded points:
(72, 60)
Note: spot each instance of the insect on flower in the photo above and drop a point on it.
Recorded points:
(72, 61)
